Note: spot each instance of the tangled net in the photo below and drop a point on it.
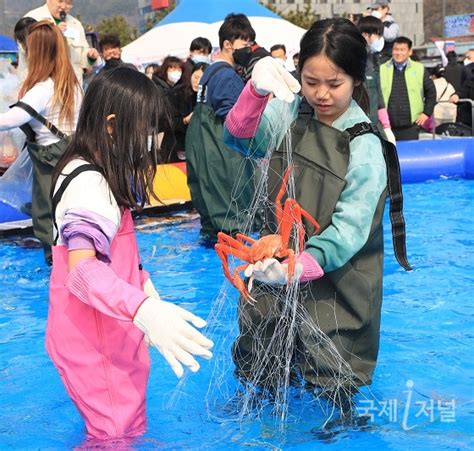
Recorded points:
(270, 384)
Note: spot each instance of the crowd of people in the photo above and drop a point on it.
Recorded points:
(96, 128)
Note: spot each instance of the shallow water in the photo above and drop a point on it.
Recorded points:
(425, 359)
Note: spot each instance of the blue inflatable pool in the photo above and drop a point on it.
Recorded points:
(419, 161)
(434, 159)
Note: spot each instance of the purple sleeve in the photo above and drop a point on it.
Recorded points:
(243, 119)
(84, 229)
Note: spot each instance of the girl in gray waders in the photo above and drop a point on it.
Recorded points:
(342, 170)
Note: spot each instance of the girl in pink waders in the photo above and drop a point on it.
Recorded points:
(103, 305)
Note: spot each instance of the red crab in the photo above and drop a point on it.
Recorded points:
(275, 245)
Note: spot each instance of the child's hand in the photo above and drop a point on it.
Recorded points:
(167, 327)
(268, 76)
(271, 271)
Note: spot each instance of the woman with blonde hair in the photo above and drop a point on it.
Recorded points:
(47, 112)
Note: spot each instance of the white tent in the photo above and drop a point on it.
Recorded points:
(173, 35)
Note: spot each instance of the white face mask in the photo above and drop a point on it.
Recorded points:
(280, 61)
(376, 14)
(467, 61)
(200, 59)
(377, 45)
(174, 76)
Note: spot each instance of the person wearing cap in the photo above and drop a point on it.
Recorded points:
(408, 91)
(381, 10)
(82, 57)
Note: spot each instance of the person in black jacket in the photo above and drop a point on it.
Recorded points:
(453, 70)
(168, 74)
(466, 91)
(183, 101)
(167, 78)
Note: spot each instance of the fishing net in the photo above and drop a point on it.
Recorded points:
(259, 363)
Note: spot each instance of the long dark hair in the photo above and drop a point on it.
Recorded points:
(341, 42)
(127, 165)
(186, 84)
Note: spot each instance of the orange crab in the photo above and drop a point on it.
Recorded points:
(275, 245)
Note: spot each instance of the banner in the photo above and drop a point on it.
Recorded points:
(159, 4)
(459, 25)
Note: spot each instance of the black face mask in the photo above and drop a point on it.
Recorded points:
(112, 63)
(242, 56)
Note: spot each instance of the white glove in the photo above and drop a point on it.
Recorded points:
(390, 136)
(166, 327)
(150, 289)
(271, 271)
(270, 77)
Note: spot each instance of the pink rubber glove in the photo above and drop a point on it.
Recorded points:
(382, 115)
(311, 268)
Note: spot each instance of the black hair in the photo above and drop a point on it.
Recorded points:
(109, 40)
(370, 25)
(403, 40)
(452, 57)
(201, 44)
(154, 66)
(186, 84)
(199, 66)
(236, 26)
(341, 41)
(296, 55)
(22, 28)
(123, 156)
(278, 47)
(438, 71)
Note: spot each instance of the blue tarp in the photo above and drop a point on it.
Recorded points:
(7, 44)
(210, 11)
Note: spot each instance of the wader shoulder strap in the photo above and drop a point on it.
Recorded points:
(65, 183)
(34, 114)
(305, 114)
(394, 190)
(213, 71)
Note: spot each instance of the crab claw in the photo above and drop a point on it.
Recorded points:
(240, 285)
(250, 284)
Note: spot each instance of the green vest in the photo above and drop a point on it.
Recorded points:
(414, 80)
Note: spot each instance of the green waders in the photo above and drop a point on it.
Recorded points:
(344, 304)
(221, 181)
(44, 159)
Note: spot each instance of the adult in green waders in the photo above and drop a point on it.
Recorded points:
(47, 112)
(343, 170)
(220, 180)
